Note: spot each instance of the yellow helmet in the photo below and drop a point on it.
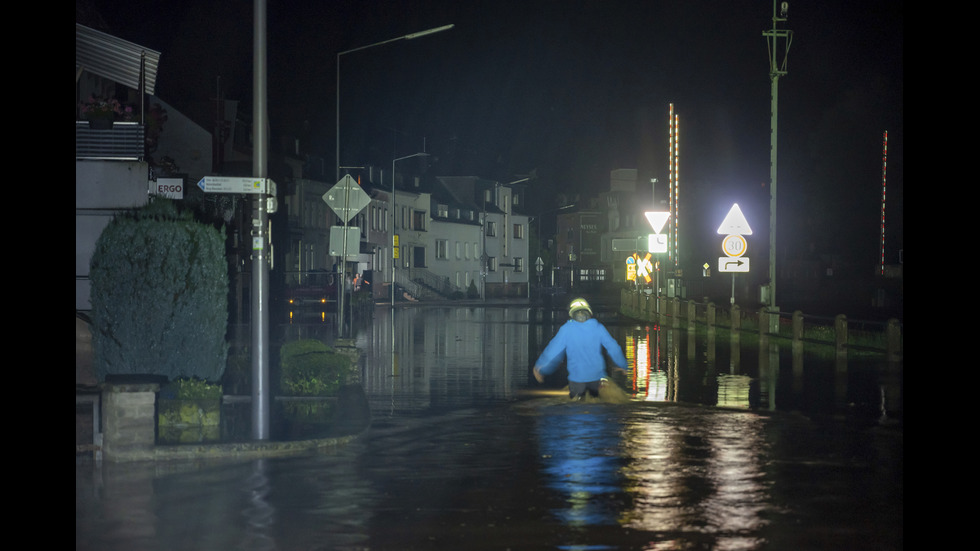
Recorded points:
(578, 304)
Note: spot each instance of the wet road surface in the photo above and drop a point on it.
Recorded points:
(535, 474)
(465, 452)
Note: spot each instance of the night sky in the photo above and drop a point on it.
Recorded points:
(574, 89)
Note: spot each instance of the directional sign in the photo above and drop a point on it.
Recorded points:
(346, 198)
(735, 223)
(733, 264)
(233, 184)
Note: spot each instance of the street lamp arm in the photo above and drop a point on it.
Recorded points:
(420, 34)
(409, 36)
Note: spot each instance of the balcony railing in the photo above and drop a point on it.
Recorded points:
(123, 142)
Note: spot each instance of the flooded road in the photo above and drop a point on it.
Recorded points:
(465, 451)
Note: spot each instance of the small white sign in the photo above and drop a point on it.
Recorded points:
(348, 237)
(657, 243)
(733, 264)
(232, 184)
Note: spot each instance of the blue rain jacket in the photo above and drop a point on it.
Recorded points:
(581, 343)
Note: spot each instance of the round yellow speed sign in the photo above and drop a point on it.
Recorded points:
(734, 245)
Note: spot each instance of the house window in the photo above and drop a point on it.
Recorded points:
(442, 249)
(518, 264)
(592, 274)
(443, 211)
(518, 231)
(491, 229)
(418, 220)
(491, 263)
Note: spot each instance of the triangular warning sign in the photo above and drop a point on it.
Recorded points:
(735, 223)
(657, 220)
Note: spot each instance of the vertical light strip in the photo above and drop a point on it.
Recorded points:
(884, 180)
(677, 184)
(670, 181)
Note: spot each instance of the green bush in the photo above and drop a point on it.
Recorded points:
(311, 368)
(159, 296)
(191, 389)
(471, 291)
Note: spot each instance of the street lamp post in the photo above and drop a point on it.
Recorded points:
(411, 36)
(392, 217)
(777, 69)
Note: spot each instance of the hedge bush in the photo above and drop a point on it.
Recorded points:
(311, 368)
(159, 296)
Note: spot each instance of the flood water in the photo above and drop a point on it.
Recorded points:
(720, 448)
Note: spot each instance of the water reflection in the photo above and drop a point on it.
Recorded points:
(457, 458)
(581, 453)
(705, 478)
(682, 365)
(259, 514)
(435, 357)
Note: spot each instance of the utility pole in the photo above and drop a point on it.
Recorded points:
(778, 41)
(260, 237)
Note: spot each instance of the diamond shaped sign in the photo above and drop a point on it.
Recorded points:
(346, 198)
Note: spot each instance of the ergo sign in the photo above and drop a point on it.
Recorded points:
(172, 188)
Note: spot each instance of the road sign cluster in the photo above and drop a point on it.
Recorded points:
(734, 245)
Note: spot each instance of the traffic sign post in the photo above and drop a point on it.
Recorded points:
(734, 245)
(346, 198)
(656, 243)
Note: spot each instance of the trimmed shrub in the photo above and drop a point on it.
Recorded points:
(159, 296)
(311, 368)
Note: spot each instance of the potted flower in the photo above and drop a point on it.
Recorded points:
(101, 112)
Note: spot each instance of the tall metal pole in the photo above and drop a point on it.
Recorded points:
(779, 41)
(260, 221)
(393, 234)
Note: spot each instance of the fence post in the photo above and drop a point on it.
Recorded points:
(797, 350)
(894, 339)
(840, 340)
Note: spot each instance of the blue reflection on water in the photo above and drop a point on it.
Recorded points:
(580, 450)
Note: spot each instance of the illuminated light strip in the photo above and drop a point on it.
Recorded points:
(670, 178)
(677, 185)
(884, 181)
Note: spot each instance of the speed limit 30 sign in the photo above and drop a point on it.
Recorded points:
(734, 245)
